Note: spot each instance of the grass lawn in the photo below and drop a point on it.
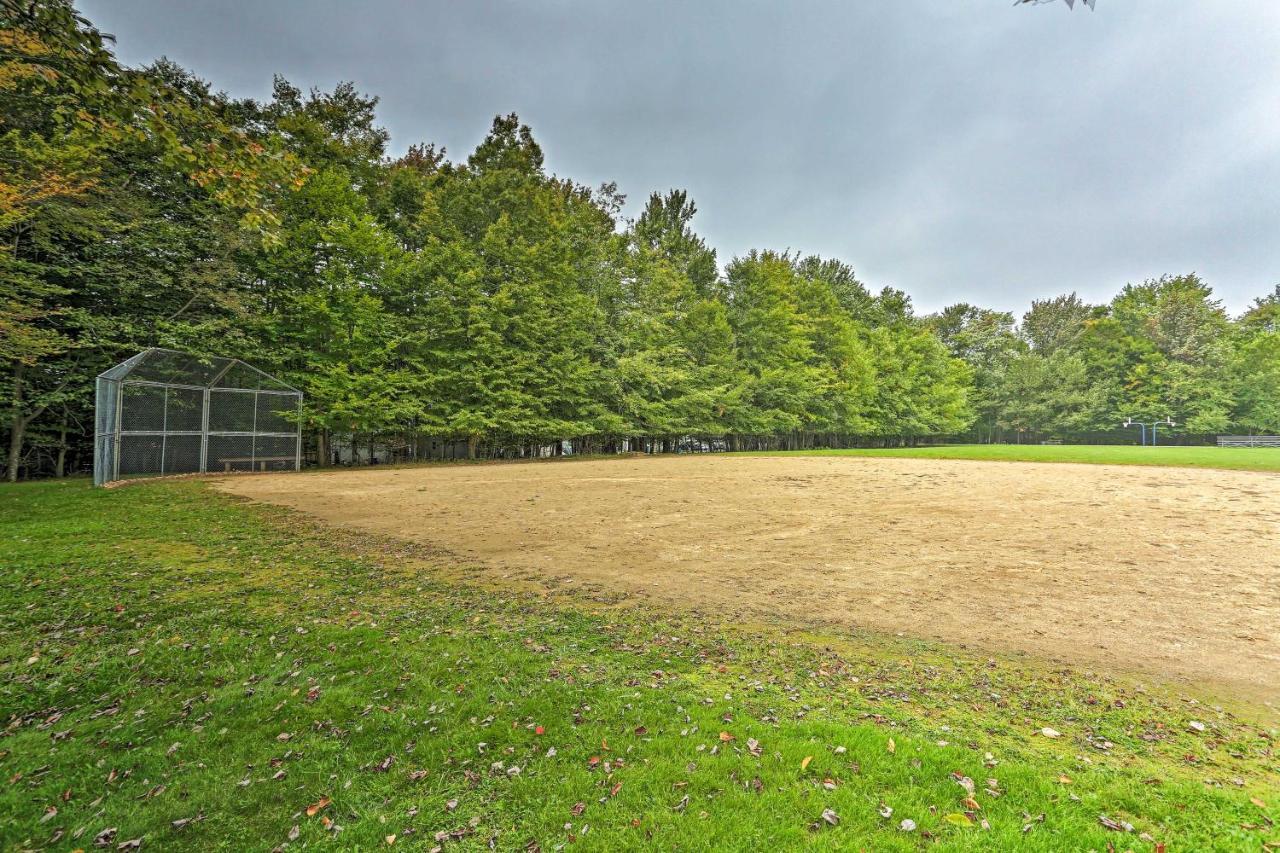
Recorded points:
(1232, 458)
(196, 672)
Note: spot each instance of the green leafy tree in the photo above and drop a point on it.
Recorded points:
(987, 342)
(123, 194)
(1055, 324)
(1181, 371)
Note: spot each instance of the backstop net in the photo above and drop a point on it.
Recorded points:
(166, 412)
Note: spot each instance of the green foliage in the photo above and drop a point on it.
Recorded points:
(487, 301)
(1161, 349)
(124, 196)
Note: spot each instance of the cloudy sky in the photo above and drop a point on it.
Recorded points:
(957, 150)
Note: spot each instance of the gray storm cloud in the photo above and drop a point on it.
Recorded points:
(960, 151)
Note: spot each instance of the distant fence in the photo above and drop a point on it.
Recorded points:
(1249, 441)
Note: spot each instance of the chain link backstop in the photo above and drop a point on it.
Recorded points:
(166, 412)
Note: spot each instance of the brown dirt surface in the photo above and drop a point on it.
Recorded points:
(1171, 571)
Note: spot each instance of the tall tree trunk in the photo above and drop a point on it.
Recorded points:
(472, 441)
(16, 431)
(322, 448)
(17, 428)
(60, 467)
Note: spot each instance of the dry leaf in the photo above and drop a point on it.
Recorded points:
(805, 762)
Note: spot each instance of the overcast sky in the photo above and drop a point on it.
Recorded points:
(957, 149)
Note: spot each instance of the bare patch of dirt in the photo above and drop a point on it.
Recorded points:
(1172, 571)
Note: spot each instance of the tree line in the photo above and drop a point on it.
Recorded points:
(1164, 348)
(486, 302)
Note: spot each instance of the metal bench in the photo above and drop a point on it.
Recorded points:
(1249, 441)
(228, 461)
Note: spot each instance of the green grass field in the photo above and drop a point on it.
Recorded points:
(1231, 458)
(196, 672)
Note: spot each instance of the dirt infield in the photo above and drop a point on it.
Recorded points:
(1172, 571)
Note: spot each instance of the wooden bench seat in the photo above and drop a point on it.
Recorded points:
(228, 461)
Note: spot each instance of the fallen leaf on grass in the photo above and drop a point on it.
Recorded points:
(1257, 801)
(725, 737)
(317, 806)
(805, 763)
(578, 808)
(1116, 825)
(1048, 732)
(907, 825)
(613, 792)
(958, 819)
(891, 747)
(831, 817)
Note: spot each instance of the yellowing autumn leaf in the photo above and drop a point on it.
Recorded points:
(958, 819)
(805, 763)
(891, 747)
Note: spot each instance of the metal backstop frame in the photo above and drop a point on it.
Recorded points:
(167, 412)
